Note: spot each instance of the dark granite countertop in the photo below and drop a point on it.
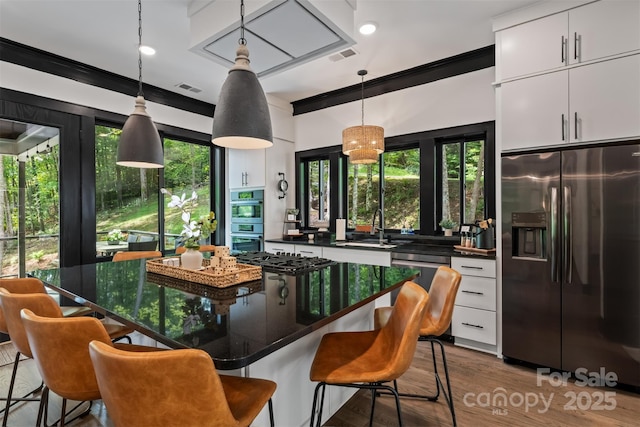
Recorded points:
(405, 244)
(236, 325)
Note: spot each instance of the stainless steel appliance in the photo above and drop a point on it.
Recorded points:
(247, 220)
(283, 262)
(247, 206)
(571, 259)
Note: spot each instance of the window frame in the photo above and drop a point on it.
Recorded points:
(430, 145)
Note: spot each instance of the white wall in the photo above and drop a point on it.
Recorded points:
(38, 83)
(464, 99)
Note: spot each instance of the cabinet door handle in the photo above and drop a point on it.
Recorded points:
(472, 325)
(575, 124)
(471, 266)
(562, 126)
(563, 45)
(246, 178)
(576, 40)
(472, 292)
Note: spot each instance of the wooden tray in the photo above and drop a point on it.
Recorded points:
(206, 275)
(474, 250)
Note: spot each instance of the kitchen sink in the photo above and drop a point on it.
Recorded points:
(367, 245)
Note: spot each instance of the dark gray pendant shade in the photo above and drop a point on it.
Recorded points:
(140, 145)
(241, 118)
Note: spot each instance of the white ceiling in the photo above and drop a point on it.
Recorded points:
(103, 33)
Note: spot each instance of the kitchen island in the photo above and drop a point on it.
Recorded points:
(268, 328)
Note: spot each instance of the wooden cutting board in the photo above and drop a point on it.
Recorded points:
(474, 250)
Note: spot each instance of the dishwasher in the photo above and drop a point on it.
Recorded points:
(427, 264)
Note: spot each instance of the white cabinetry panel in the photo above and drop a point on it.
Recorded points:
(360, 256)
(602, 29)
(535, 46)
(605, 99)
(534, 111)
(279, 247)
(590, 32)
(246, 168)
(474, 324)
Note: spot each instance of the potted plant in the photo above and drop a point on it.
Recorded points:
(115, 236)
(447, 225)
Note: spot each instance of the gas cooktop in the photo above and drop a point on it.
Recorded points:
(282, 262)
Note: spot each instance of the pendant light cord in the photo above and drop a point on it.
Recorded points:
(362, 85)
(139, 46)
(242, 40)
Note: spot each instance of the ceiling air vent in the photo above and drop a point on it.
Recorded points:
(280, 35)
(342, 55)
(188, 87)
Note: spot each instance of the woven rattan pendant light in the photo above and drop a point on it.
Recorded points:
(363, 143)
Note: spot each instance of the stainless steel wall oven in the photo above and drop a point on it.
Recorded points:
(247, 220)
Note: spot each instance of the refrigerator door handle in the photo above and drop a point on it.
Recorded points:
(566, 238)
(553, 240)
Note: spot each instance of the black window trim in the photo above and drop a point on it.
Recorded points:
(428, 142)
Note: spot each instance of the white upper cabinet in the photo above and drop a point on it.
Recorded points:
(534, 46)
(586, 33)
(535, 111)
(602, 29)
(595, 102)
(246, 168)
(605, 99)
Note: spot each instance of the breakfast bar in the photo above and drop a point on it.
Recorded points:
(267, 328)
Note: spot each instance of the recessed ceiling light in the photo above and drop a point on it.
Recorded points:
(147, 50)
(368, 28)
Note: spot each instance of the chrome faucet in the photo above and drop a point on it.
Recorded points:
(380, 228)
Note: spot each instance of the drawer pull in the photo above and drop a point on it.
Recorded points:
(472, 292)
(472, 266)
(473, 326)
(305, 252)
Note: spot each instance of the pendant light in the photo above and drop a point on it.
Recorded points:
(363, 143)
(241, 118)
(140, 145)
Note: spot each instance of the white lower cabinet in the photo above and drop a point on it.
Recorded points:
(279, 247)
(360, 256)
(474, 322)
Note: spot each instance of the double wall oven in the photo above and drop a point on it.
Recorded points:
(247, 220)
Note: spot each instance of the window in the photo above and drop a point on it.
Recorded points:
(186, 169)
(425, 176)
(401, 183)
(362, 194)
(126, 198)
(462, 181)
(29, 198)
(319, 193)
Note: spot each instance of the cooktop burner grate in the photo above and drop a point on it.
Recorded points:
(283, 262)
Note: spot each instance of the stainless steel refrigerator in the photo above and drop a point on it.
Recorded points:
(571, 259)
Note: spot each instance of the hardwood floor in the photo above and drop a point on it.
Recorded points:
(477, 379)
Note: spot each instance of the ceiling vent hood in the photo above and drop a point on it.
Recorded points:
(280, 33)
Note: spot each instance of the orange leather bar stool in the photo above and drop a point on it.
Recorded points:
(175, 388)
(368, 359)
(60, 348)
(442, 297)
(202, 248)
(44, 305)
(127, 255)
(29, 285)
